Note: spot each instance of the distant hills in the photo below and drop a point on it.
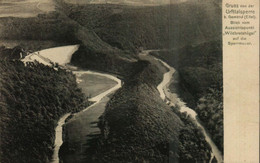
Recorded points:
(170, 26)
(115, 32)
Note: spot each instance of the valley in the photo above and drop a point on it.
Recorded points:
(86, 89)
(83, 123)
(172, 99)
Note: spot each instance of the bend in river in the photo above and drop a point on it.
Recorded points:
(173, 100)
(100, 96)
(57, 55)
(62, 55)
(97, 99)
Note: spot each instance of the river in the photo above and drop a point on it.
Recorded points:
(96, 100)
(62, 55)
(172, 99)
(58, 137)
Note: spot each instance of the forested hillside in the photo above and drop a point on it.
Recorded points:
(198, 81)
(11, 53)
(169, 26)
(112, 62)
(113, 33)
(32, 99)
(138, 126)
(56, 29)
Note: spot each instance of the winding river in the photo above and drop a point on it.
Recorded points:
(96, 100)
(62, 55)
(172, 99)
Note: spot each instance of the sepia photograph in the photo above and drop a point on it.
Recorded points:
(111, 81)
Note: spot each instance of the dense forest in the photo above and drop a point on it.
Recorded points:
(32, 99)
(129, 29)
(137, 126)
(11, 53)
(113, 33)
(154, 27)
(101, 61)
(53, 27)
(199, 82)
(56, 29)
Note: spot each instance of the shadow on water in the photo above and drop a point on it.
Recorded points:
(88, 148)
(91, 145)
(95, 122)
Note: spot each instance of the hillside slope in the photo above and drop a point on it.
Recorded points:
(169, 26)
(199, 82)
(32, 99)
(56, 29)
(138, 126)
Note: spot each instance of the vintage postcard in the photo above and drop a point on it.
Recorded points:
(140, 81)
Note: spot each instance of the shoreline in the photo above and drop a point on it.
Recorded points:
(95, 100)
(165, 94)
